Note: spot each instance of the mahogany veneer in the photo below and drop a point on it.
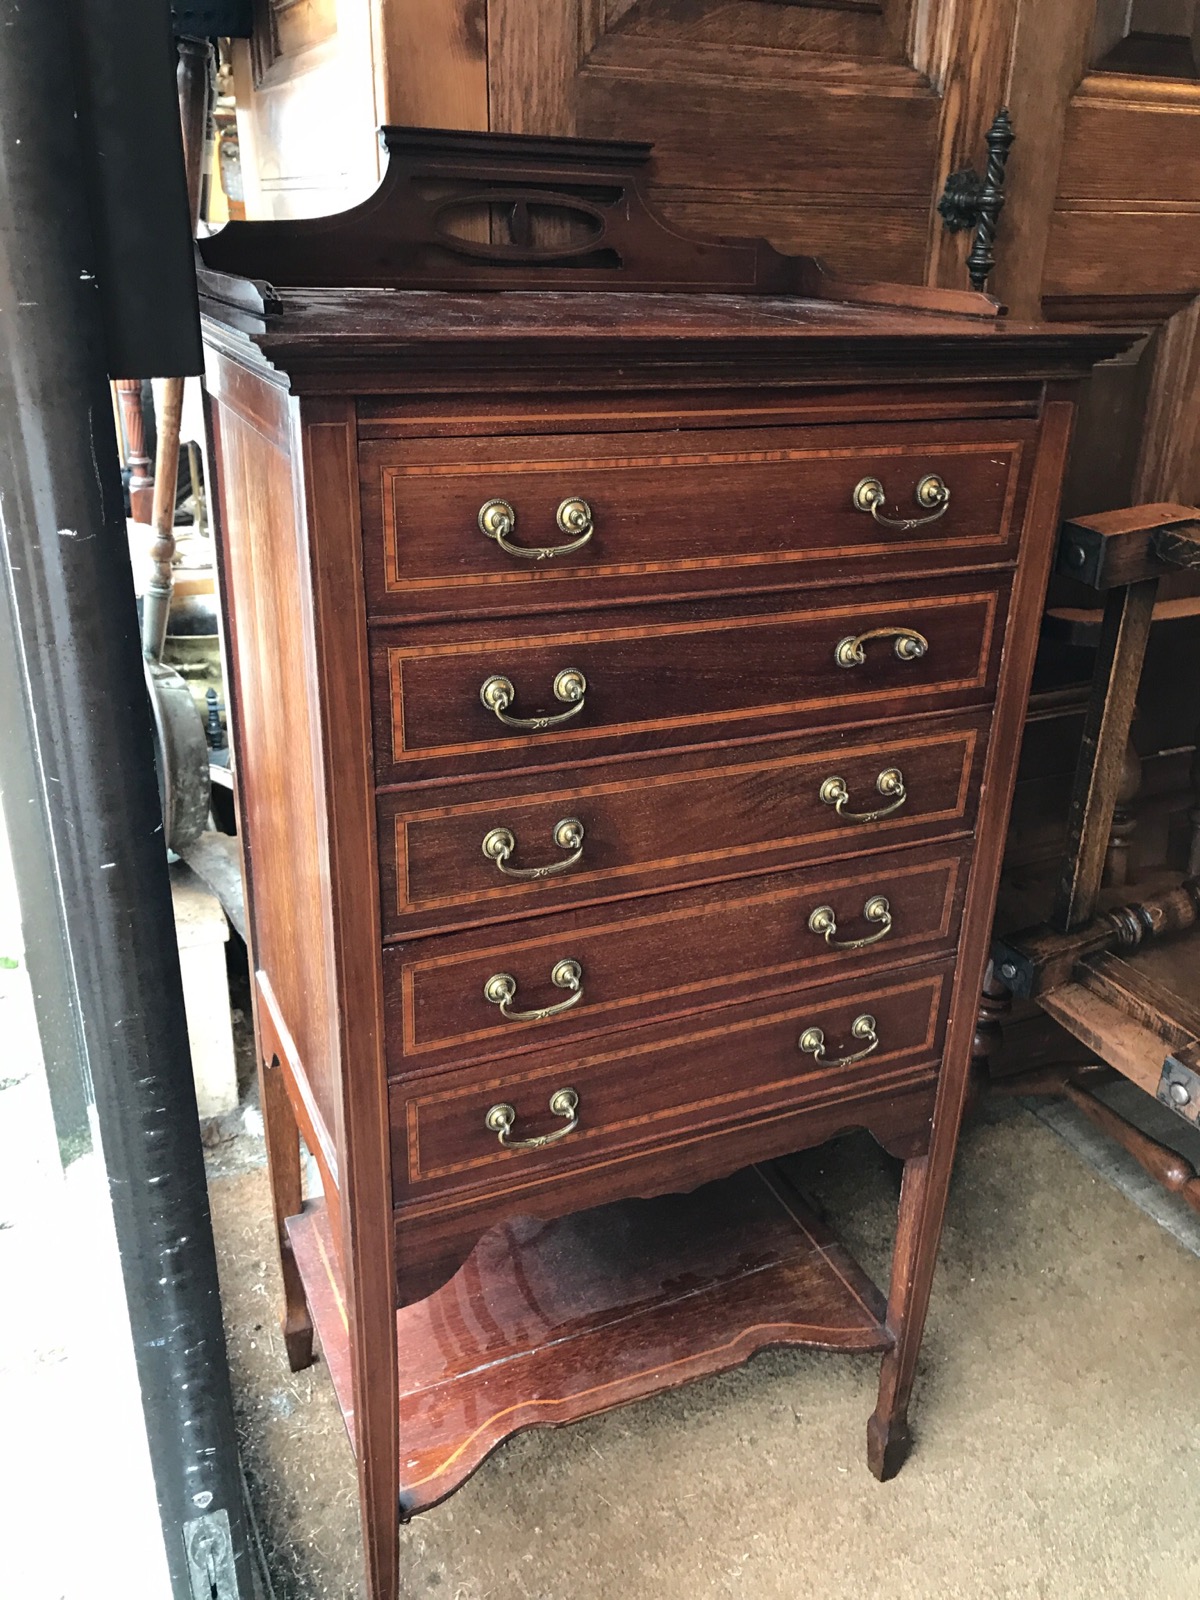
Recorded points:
(681, 674)
(536, 1328)
(768, 506)
(650, 822)
(642, 959)
(719, 903)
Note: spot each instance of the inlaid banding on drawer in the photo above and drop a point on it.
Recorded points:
(721, 504)
(665, 1083)
(652, 825)
(691, 673)
(679, 953)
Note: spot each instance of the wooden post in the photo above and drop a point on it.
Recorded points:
(1123, 637)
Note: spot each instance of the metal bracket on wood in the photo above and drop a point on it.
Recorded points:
(971, 201)
(209, 1547)
(1179, 1088)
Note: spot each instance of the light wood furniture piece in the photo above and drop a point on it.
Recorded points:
(1121, 975)
(627, 674)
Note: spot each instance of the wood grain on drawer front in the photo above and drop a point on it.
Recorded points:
(667, 822)
(668, 1083)
(678, 675)
(680, 511)
(674, 953)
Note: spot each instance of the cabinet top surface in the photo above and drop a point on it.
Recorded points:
(487, 249)
(326, 328)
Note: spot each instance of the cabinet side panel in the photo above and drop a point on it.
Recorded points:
(267, 600)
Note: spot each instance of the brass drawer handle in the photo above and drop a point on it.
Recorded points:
(932, 494)
(499, 844)
(497, 519)
(824, 922)
(497, 694)
(501, 990)
(812, 1042)
(563, 1103)
(910, 645)
(890, 784)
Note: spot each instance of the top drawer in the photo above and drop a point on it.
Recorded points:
(685, 512)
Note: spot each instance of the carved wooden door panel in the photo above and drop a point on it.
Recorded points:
(828, 126)
(1103, 219)
(817, 123)
(827, 150)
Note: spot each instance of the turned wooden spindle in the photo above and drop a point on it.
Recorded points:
(194, 79)
(141, 468)
(995, 1003)
(1165, 1165)
(1160, 916)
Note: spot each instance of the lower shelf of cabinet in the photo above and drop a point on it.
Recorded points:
(549, 1322)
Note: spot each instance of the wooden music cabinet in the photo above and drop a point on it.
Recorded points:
(627, 674)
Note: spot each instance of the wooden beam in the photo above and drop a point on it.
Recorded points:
(1130, 545)
(966, 55)
(1123, 636)
(1048, 60)
(1173, 1018)
(1134, 1050)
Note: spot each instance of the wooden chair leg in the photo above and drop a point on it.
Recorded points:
(888, 1436)
(283, 1163)
(1166, 1166)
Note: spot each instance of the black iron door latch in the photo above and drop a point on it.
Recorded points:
(971, 201)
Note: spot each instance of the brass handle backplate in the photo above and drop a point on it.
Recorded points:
(932, 494)
(497, 694)
(824, 922)
(499, 844)
(497, 520)
(812, 1042)
(890, 784)
(501, 990)
(563, 1103)
(909, 646)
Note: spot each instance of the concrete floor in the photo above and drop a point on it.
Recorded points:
(1057, 1416)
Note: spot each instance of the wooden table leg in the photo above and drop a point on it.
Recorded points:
(283, 1163)
(888, 1437)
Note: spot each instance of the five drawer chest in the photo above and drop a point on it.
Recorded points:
(628, 640)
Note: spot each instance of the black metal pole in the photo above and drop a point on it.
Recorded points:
(69, 632)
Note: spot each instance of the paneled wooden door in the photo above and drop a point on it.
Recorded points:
(829, 126)
(826, 125)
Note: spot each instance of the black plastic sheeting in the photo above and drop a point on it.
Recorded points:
(131, 155)
(84, 810)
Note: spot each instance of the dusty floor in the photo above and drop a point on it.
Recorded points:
(1057, 1416)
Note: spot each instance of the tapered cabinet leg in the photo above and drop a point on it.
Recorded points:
(283, 1163)
(917, 1229)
